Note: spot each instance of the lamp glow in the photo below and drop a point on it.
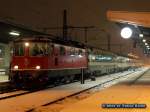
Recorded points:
(14, 33)
(26, 44)
(146, 44)
(141, 35)
(126, 32)
(38, 67)
(144, 40)
(16, 67)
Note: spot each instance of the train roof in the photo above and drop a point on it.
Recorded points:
(51, 38)
(58, 40)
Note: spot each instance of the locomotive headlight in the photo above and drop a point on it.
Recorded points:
(38, 67)
(16, 67)
(27, 44)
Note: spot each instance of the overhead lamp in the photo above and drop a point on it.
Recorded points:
(141, 35)
(14, 33)
(146, 44)
(26, 44)
(144, 40)
(126, 32)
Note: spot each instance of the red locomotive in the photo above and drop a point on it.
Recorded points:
(38, 59)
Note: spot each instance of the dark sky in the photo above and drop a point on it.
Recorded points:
(48, 13)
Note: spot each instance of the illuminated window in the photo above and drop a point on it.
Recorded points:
(40, 49)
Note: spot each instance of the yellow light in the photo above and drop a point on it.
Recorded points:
(16, 67)
(26, 44)
(38, 67)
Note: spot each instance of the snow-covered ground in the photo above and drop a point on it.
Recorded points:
(137, 93)
(34, 100)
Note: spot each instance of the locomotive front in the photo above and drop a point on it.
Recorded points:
(29, 60)
(37, 61)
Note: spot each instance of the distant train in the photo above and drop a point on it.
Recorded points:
(38, 60)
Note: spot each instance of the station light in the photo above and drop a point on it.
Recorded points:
(26, 44)
(126, 32)
(14, 33)
(16, 67)
(146, 44)
(38, 67)
(141, 35)
(144, 40)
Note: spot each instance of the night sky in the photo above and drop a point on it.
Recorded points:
(48, 13)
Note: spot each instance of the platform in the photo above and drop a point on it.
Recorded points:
(128, 92)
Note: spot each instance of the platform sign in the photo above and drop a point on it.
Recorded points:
(103, 58)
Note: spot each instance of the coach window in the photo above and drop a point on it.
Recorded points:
(18, 49)
(80, 52)
(62, 50)
(76, 51)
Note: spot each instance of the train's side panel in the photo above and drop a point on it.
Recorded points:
(55, 61)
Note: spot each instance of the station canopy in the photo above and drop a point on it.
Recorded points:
(140, 20)
(9, 31)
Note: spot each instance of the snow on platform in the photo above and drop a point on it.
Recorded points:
(124, 93)
(33, 100)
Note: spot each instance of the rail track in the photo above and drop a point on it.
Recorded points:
(10, 92)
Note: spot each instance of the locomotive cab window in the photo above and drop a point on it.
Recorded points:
(40, 49)
(18, 49)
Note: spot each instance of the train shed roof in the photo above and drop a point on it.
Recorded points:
(6, 27)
